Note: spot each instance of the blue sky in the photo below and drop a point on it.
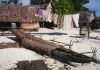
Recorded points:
(93, 5)
(25, 2)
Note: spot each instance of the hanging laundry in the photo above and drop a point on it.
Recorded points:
(48, 13)
(76, 19)
(71, 21)
(54, 18)
(92, 17)
(38, 12)
(67, 22)
(49, 17)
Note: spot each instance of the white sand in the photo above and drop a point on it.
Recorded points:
(9, 57)
(6, 39)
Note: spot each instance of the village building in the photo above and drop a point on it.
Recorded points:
(31, 17)
(18, 16)
(96, 23)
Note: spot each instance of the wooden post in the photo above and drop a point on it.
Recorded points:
(88, 30)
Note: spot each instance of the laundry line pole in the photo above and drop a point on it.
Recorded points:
(43, 24)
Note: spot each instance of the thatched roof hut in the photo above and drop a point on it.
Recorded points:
(16, 13)
(86, 17)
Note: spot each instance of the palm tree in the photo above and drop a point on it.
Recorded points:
(10, 1)
(14, 1)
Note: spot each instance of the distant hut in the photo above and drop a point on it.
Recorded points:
(96, 23)
(86, 17)
(23, 16)
(85, 20)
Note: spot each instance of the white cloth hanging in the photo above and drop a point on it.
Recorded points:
(49, 17)
(67, 22)
(54, 18)
(47, 13)
(91, 17)
(76, 19)
(70, 21)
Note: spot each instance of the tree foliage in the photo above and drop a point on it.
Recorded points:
(68, 6)
(11, 1)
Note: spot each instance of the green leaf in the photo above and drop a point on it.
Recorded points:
(68, 6)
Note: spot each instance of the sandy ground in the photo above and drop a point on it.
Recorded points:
(10, 56)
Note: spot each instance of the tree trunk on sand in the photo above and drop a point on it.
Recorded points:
(51, 49)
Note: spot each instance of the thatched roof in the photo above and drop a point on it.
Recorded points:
(16, 13)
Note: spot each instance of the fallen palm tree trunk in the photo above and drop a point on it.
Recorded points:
(48, 48)
(35, 43)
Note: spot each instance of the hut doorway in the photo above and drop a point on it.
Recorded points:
(6, 26)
